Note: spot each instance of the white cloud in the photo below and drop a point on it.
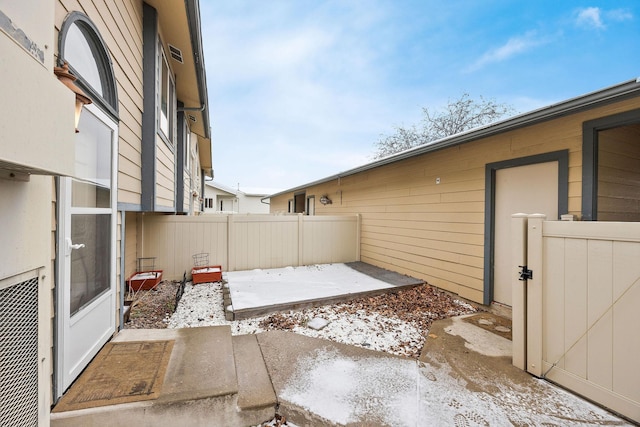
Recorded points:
(596, 18)
(619, 15)
(590, 17)
(514, 46)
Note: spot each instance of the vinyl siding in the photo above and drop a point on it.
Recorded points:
(433, 231)
(165, 175)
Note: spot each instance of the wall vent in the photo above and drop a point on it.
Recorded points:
(19, 354)
(176, 54)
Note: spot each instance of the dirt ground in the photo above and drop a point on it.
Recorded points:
(150, 309)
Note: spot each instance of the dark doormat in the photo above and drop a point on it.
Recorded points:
(122, 372)
(490, 322)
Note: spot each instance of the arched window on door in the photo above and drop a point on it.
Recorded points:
(81, 45)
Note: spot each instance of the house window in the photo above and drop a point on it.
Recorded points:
(290, 208)
(167, 99)
(618, 171)
(81, 46)
(187, 150)
(610, 164)
(311, 205)
(208, 203)
(299, 203)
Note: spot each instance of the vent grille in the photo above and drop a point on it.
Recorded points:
(176, 54)
(19, 354)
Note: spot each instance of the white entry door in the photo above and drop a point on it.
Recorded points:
(87, 249)
(522, 189)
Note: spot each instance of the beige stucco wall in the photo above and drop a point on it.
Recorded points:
(435, 232)
(26, 252)
(39, 138)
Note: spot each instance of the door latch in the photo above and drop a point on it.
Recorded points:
(71, 246)
(525, 273)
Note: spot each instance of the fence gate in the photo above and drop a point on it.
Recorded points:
(577, 307)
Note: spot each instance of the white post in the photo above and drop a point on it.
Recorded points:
(231, 257)
(534, 294)
(358, 234)
(519, 290)
(300, 239)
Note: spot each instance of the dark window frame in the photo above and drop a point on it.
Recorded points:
(107, 102)
(590, 131)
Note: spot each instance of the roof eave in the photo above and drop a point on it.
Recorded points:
(195, 30)
(615, 93)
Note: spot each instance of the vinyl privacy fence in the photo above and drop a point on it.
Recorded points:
(246, 242)
(575, 320)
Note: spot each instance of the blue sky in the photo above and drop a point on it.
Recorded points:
(300, 89)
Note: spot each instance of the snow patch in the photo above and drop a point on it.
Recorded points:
(317, 323)
(480, 340)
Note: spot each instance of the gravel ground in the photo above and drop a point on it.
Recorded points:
(395, 323)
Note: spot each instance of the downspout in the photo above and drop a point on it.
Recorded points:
(122, 266)
(266, 203)
(201, 203)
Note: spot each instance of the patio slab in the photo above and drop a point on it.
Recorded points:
(260, 292)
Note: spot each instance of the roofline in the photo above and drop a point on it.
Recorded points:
(227, 189)
(222, 187)
(195, 29)
(255, 194)
(619, 92)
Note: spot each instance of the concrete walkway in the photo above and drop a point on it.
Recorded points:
(464, 378)
(213, 379)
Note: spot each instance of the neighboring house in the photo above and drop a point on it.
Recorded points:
(441, 211)
(72, 205)
(219, 198)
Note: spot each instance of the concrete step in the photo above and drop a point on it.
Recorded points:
(255, 390)
(200, 386)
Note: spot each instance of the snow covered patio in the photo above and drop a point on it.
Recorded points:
(258, 292)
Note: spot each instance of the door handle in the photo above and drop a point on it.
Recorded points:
(71, 246)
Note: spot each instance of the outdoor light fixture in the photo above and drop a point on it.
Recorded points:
(68, 80)
(325, 200)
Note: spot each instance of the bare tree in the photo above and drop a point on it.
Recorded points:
(458, 116)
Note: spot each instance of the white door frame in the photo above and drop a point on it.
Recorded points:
(93, 314)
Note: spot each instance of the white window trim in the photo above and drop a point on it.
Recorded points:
(168, 130)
